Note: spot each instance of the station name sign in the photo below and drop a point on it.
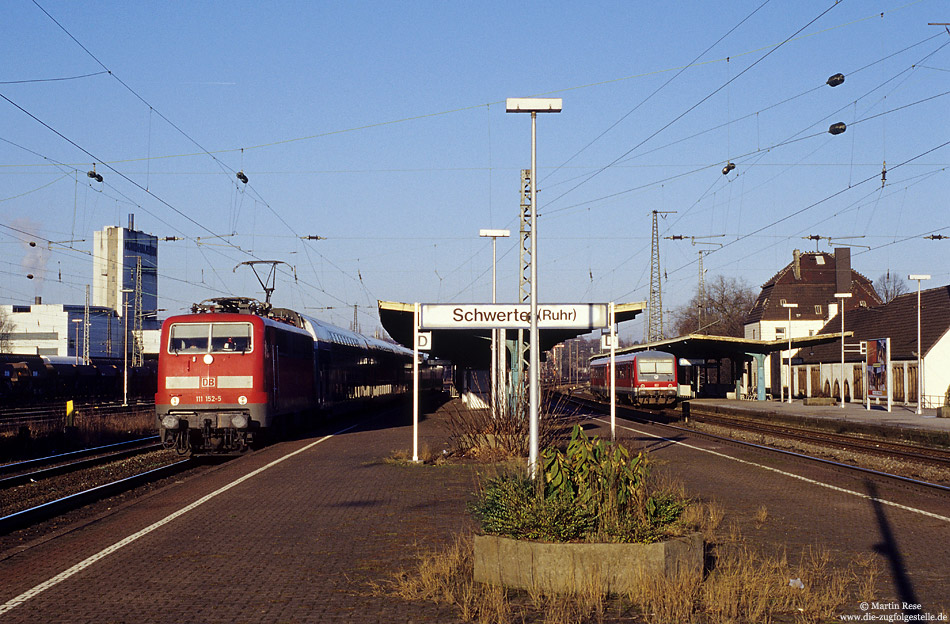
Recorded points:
(512, 316)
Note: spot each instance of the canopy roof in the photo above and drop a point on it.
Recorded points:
(701, 346)
(469, 348)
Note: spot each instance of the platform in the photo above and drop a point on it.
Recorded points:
(901, 422)
(313, 530)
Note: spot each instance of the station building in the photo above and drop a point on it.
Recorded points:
(809, 283)
(818, 371)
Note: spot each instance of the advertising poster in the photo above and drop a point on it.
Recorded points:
(877, 367)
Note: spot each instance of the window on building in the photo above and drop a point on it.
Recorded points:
(818, 309)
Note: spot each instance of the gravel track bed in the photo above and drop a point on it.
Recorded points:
(901, 468)
(36, 493)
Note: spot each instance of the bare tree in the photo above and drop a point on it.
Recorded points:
(726, 305)
(889, 286)
(6, 327)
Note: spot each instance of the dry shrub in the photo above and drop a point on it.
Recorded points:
(479, 434)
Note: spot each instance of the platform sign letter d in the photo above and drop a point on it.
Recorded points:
(425, 341)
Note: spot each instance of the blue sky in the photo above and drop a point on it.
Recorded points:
(382, 128)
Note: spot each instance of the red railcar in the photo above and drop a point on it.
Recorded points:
(643, 378)
(235, 372)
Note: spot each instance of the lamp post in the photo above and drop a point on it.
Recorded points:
(125, 347)
(495, 353)
(789, 306)
(842, 297)
(533, 106)
(920, 367)
(77, 322)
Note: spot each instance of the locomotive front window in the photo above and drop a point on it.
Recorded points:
(221, 337)
(230, 337)
(665, 367)
(189, 338)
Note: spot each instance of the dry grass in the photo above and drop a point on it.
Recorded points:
(742, 585)
(403, 457)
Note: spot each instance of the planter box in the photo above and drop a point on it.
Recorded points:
(943, 412)
(820, 401)
(566, 568)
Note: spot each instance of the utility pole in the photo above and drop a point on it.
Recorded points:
(85, 330)
(137, 335)
(655, 317)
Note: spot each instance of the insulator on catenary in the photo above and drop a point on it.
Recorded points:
(837, 128)
(835, 80)
(729, 167)
(242, 177)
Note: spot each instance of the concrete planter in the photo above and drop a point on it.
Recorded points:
(943, 412)
(565, 568)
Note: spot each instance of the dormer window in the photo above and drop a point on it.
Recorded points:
(819, 259)
(818, 310)
(781, 302)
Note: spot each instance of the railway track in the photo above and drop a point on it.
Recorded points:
(33, 496)
(45, 467)
(938, 457)
(934, 457)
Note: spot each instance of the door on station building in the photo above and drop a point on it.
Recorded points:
(815, 381)
(858, 377)
(898, 380)
(912, 383)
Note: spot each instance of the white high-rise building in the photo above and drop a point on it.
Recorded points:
(116, 251)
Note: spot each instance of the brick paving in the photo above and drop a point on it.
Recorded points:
(300, 542)
(305, 540)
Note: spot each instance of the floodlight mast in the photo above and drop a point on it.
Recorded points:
(533, 106)
(271, 275)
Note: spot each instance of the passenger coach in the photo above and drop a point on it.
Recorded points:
(645, 378)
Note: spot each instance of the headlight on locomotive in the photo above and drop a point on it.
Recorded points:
(239, 421)
(170, 422)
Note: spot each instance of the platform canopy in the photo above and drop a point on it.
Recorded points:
(470, 348)
(703, 347)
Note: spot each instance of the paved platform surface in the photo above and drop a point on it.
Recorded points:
(900, 416)
(301, 531)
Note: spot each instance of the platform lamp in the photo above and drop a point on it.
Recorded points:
(842, 297)
(533, 106)
(495, 353)
(920, 368)
(789, 306)
(125, 347)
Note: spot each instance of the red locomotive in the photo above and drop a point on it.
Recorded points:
(236, 372)
(645, 378)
